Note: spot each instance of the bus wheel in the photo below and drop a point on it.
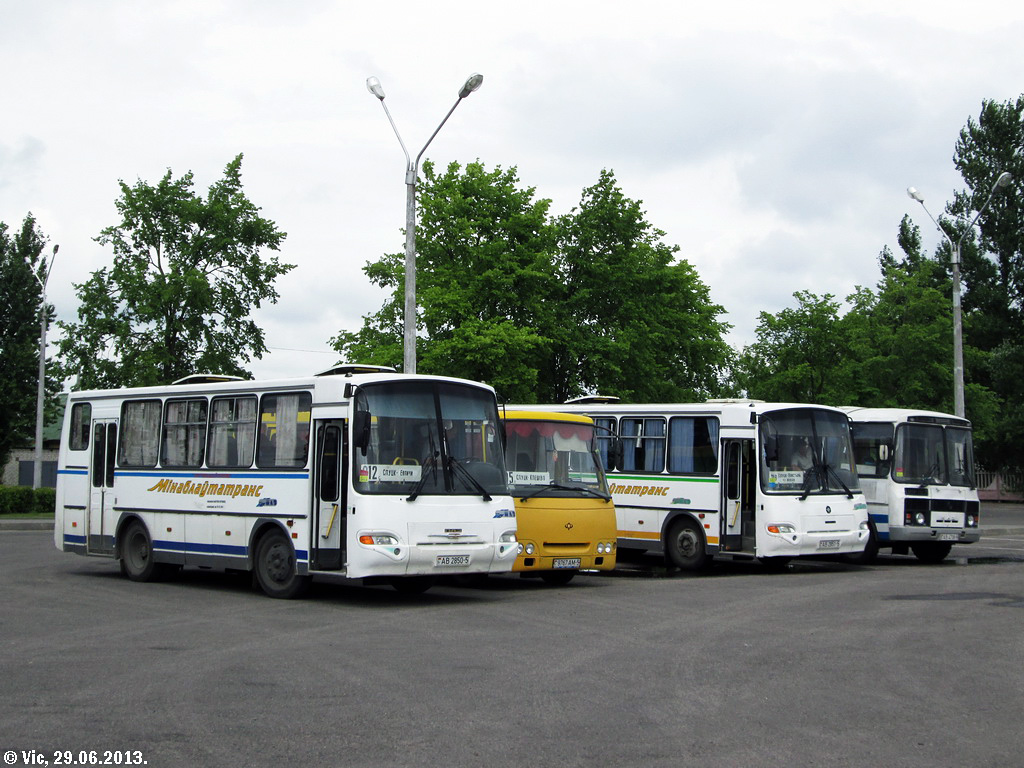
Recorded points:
(412, 585)
(870, 553)
(931, 551)
(136, 552)
(557, 578)
(275, 567)
(684, 545)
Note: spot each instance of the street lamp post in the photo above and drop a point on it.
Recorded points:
(37, 463)
(958, 332)
(412, 168)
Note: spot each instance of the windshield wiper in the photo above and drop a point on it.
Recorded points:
(830, 469)
(811, 475)
(432, 462)
(929, 478)
(465, 474)
(561, 487)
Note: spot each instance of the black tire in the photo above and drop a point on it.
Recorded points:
(870, 553)
(275, 567)
(412, 585)
(685, 546)
(557, 578)
(931, 551)
(136, 553)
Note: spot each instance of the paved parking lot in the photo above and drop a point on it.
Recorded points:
(826, 664)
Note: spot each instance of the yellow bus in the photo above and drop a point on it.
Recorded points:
(564, 512)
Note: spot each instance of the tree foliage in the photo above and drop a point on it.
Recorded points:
(187, 271)
(545, 308)
(21, 255)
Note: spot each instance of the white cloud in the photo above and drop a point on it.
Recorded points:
(772, 141)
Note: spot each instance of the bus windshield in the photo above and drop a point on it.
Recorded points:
(806, 451)
(553, 458)
(426, 437)
(930, 454)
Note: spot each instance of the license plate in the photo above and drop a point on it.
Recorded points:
(948, 537)
(445, 560)
(829, 544)
(566, 562)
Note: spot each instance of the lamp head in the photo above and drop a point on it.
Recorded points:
(472, 83)
(373, 86)
(913, 194)
(1003, 181)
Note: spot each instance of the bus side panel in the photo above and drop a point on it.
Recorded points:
(643, 505)
(70, 509)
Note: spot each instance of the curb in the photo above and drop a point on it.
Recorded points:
(26, 525)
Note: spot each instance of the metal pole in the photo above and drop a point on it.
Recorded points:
(411, 170)
(958, 338)
(37, 462)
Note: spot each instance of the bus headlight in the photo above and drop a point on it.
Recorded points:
(529, 548)
(508, 537)
(920, 518)
(782, 528)
(864, 525)
(379, 539)
(972, 521)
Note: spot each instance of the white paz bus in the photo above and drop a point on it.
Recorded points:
(917, 470)
(358, 472)
(742, 479)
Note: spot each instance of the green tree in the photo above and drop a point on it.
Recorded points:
(798, 353)
(186, 274)
(545, 309)
(641, 324)
(993, 276)
(483, 274)
(20, 297)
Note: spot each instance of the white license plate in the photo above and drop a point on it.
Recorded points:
(446, 560)
(829, 544)
(566, 562)
(949, 537)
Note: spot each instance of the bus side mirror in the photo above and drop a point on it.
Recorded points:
(361, 430)
(883, 451)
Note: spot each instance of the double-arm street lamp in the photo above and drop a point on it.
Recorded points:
(412, 168)
(37, 463)
(958, 332)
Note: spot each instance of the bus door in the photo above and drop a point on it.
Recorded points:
(738, 470)
(330, 479)
(99, 527)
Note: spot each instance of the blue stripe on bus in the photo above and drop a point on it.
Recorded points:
(214, 549)
(69, 539)
(72, 472)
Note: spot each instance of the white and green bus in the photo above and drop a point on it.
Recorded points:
(358, 472)
(740, 479)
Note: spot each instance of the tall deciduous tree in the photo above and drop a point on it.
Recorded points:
(546, 309)
(20, 298)
(186, 274)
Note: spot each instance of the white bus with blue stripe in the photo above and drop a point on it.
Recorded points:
(359, 472)
(916, 468)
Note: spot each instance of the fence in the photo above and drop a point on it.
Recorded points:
(1000, 486)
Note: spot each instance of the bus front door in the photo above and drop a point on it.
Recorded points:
(99, 527)
(330, 481)
(738, 495)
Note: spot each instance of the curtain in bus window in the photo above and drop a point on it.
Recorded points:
(140, 433)
(605, 436)
(643, 445)
(184, 433)
(284, 430)
(693, 445)
(232, 432)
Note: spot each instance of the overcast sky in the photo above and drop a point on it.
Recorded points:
(772, 141)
